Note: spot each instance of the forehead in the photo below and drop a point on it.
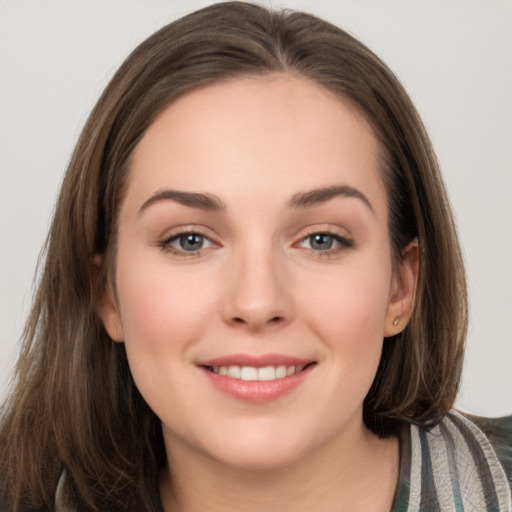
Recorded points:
(277, 133)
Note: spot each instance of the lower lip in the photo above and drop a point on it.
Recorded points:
(257, 391)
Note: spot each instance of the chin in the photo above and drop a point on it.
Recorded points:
(261, 449)
(255, 459)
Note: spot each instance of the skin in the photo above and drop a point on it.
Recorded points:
(260, 285)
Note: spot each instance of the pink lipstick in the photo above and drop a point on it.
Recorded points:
(256, 379)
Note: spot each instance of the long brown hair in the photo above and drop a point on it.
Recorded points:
(75, 408)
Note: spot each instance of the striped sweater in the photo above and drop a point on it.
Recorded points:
(460, 465)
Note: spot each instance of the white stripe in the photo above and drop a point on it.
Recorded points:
(59, 498)
(498, 474)
(415, 477)
(441, 470)
(471, 489)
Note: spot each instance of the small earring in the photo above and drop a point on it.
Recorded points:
(395, 321)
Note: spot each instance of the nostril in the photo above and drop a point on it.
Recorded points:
(240, 320)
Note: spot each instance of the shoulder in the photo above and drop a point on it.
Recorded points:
(498, 431)
(462, 463)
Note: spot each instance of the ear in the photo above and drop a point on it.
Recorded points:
(105, 304)
(403, 290)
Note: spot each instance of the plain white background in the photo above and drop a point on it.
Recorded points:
(453, 56)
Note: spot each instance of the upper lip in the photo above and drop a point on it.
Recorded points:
(256, 361)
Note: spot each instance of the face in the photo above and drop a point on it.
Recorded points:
(254, 281)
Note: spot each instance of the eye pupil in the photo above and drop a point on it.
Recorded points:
(321, 241)
(191, 242)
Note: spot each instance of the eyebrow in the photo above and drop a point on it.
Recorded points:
(212, 203)
(324, 194)
(206, 202)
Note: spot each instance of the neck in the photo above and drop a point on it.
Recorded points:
(360, 474)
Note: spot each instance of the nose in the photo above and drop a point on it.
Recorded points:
(258, 296)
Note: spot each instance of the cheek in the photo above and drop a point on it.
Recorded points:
(164, 312)
(348, 312)
(163, 308)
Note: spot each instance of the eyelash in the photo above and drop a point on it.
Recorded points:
(341, 242)
(166, 244)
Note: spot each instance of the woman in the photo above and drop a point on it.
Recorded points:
(253, 295)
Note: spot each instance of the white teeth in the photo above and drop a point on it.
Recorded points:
(280, 371)
(250, 373)
(267, 373)
(233, 371)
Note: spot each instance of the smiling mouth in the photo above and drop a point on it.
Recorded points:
(252, 373)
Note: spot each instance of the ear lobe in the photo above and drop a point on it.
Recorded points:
(403, 290)
(106, 307)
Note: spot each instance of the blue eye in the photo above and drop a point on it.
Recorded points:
(321, 241)
(325, 242)
(186, 242)
(190, 242)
